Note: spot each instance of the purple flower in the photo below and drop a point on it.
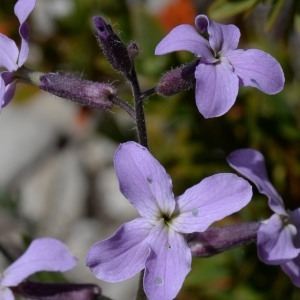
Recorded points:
(278, 238)
(11, 58)
(155, 241)
(222, 67)
(43, 254)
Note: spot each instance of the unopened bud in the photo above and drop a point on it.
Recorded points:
(114, 49)
(46, 291)
(85, 92)
(133, 50)
(177, 80)
(220, 239)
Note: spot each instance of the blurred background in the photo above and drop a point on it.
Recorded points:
(57, 177)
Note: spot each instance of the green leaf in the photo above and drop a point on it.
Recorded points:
(297, 23)
(275, 11)
(222, 9)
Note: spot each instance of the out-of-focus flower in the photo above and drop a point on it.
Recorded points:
(12, 58)
(172, 13)
(43, 254)
(156, 241)
(223, 67)
(278, 238)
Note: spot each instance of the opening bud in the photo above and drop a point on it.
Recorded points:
(85, 92)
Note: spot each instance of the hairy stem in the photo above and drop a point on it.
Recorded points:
(124, 105)
(148, 93)
(139, 108)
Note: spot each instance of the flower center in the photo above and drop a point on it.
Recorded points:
(218, 55)
(215, 59)
(167, 219)
(285, 220)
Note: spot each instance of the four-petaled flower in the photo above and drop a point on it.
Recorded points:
(43, 254)
(222, 66)
(155, 241)
(11, 58)
(278, 238)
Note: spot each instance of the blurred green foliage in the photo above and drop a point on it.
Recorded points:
(189, 146)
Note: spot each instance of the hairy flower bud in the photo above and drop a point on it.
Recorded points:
(114, 49)
(220, 239)
(177, 80)
(56, 291)
(85, 92)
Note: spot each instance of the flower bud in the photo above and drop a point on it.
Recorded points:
(133, 50)
(85, 92)
(114, 49)
(220, 239)
(177, 80)
(56, 291)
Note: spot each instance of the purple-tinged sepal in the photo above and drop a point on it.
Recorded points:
(177, 80)
(216, 240)
(85, 92)
(113, 48)
(58, 291)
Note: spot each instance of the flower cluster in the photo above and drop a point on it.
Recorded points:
(170, 229)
